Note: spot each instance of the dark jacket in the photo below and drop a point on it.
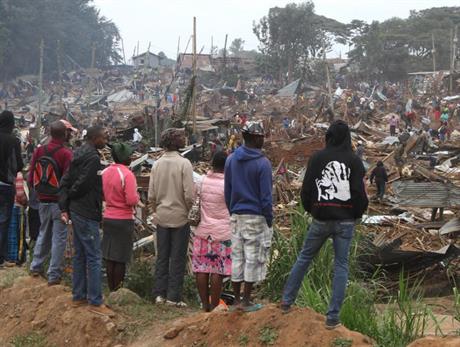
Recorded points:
(379, 174)
(248, 183)
(333, 187)
(81, 186)
(10, 152)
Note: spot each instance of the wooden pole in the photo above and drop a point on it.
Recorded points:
(194, 77)
(93, 56)
(40, 89)
(59, 66)
(225, 53)
(451, 60)
(433, 52)
(178, 48)
(212, 46)
(329, 87)
(123, 49)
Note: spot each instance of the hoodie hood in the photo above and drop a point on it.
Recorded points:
(244, 153)
(338, 136)
(6, 122)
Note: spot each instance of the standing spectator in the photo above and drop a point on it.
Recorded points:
(120, 193)
(171, 195)
(248, 195)
(379, 174)
(333, 192)
(16, 233)
(211, 259)
(393, 125)
(81, 202)
(10, 164)
(47, 166)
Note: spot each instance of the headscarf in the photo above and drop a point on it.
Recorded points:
(6, 122)
(121, 152)
(172, 138)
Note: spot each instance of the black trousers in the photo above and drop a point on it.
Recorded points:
(172, 245)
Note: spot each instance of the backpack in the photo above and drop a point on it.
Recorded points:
(47, 173)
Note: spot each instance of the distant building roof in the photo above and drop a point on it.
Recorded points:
(142, 55)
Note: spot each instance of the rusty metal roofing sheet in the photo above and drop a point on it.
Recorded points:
(426, 194)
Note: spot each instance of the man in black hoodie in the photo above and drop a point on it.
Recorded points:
(333, 193)
(10, 164)
(81, 202)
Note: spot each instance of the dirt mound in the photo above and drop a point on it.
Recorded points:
(293, 153)
(269, 326)
(432, 341)
(30, 305)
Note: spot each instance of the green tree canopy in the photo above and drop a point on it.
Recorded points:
(236, 47)
(76, 24)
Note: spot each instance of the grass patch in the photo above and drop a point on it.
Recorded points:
(32, 339)
(340, 342)
(268, 336)
(8, 276)
(243, 340)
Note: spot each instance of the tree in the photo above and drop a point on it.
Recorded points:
(291, 35)
(236, 47)
(391, 49)
(76, 24)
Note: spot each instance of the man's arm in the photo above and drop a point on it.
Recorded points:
(187, 183)
(86, 175)
(18, 150)
(228, 184)
(357, 189)
(266, 187)
(307, 187)
(30, 176)
(152, 193)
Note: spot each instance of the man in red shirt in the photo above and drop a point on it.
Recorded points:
(53, 232)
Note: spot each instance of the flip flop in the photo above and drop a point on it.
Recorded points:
(252, 308)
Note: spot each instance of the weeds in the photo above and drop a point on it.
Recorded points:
(268, 336)
(243, 340)
(32, 339)
(340, 342)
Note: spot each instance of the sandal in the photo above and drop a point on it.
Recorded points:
(252, 308)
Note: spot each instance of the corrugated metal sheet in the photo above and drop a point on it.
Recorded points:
(426, 194)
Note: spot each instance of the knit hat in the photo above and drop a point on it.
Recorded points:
(172, 138)
(121, 152)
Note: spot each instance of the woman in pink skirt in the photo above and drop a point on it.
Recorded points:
(211, 259)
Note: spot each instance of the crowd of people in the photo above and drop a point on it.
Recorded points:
(234, 228)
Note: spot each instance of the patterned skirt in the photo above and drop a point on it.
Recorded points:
(214, 257)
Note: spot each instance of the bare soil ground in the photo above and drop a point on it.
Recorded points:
(267, 327)
(432, 341)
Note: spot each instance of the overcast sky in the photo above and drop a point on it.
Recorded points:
(161, 22)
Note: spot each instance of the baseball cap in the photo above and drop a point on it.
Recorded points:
(68, 125)
(254, 128)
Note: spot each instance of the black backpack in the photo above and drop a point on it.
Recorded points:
(47, 174)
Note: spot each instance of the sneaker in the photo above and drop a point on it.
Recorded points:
(160, 300)
(54, 283)
(285, 308)
(102, 310)
(35, 273)
(332, 324)
(179, 304)
(79, 303)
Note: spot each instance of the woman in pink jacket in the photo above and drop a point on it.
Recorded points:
(120, 194)
(211, 259)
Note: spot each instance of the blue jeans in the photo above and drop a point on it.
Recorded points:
(6, 207)
(87, 261)
(52, 237)
(341, 233)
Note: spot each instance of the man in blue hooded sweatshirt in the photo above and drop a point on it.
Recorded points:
(333, 193)
(248, 195)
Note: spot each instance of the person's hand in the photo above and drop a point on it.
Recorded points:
(65, 217)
